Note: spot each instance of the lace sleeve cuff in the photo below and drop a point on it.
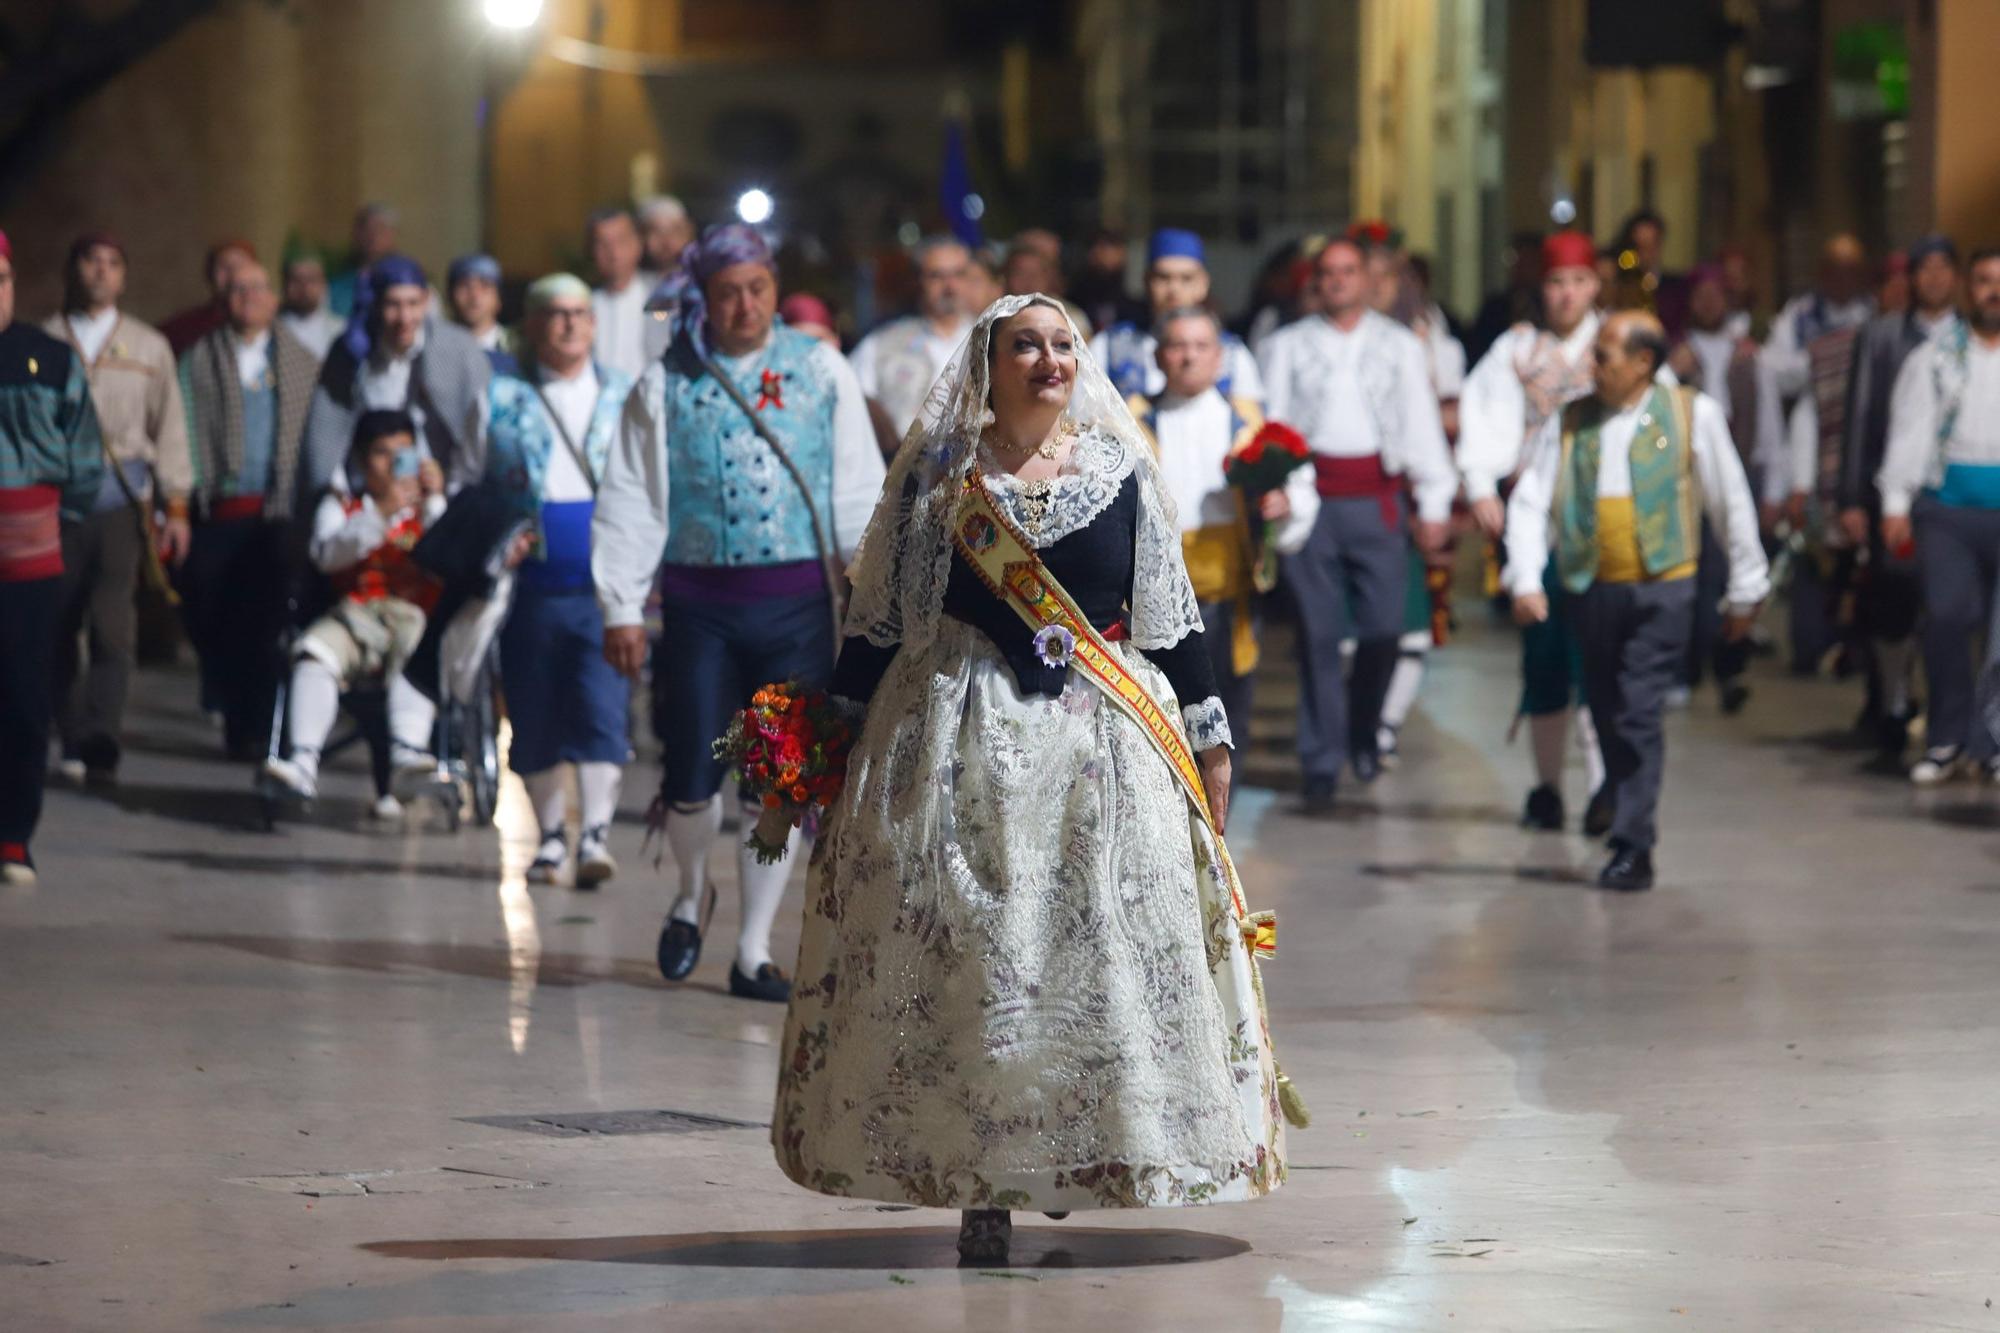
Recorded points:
(1207, 725)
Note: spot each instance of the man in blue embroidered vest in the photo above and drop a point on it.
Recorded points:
(744, 595)
(1618, 485)
(1887, 601)
(1357, 385)
(1176, 277)
(1940, 484)
(547, 437)
(1194, 429)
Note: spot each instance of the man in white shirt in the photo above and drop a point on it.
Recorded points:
(1525, 378)
(1841, 300)
(745, 599)
(1357, 385)
(547, 437)
(1940, 485)
(897, 363)
(1617, 489)
(307, 314)
(1176, 277)
(1195, 429)
(619, 303)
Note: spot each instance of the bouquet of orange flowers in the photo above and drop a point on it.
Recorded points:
(790, 749)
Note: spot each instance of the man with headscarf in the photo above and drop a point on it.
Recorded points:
(306, 313)
(51, 467)
(748, 528)
(396, 355)
(1357, 385)
(1176, 277)
(138, 401)
(546, 437)
(472, 290)
(898, 362)
(248, 386)
(1838, 449)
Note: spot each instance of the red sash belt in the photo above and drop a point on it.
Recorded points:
(1358, 479)
(30, 533)
(234, 507)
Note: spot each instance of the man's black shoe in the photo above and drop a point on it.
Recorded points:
(1598, 814)
(1629, 870)
(1545, 810)
(1734, 696)
(680, 948)
(1892, 729)
(1319, 796)
(770, 983)
(1367, 766)
(100, 756)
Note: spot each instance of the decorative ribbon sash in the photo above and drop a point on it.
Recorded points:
(1007, 564)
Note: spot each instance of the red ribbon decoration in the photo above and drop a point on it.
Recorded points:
(771, 390)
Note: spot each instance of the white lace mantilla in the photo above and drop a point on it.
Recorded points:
(900, 572)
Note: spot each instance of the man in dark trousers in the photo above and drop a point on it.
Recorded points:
(51, 465)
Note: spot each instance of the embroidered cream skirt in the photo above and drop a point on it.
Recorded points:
(1021, 983)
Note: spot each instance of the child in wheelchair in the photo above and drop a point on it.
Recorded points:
(362, 544)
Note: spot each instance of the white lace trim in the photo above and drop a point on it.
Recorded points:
(1089, 481)
(1207, 724)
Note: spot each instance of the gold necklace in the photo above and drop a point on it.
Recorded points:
(1065, 431)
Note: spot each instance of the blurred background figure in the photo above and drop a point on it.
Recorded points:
(184, 329)
(809, 315)
(371, 237)
(1176, 278)
(665, 230)
(1099, 286)
(619, 302)
(897, 363)
(137, 395)
(306, 313)
(472, 287)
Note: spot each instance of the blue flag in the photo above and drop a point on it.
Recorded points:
(955, 193)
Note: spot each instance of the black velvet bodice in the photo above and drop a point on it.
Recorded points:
(1094, 565)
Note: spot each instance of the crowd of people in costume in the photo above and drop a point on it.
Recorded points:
(1636, 455)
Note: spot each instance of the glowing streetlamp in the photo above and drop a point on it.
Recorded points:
(512, 14)
(754, 207)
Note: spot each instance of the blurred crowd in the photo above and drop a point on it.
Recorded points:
(329, 466)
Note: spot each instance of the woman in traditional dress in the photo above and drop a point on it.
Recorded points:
(1025, 980)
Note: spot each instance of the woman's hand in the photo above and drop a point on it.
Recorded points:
(1215, 778)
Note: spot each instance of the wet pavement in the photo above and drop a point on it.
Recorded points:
(353, 1075)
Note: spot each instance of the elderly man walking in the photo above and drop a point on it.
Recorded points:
(898, 363)
(51, 463)
(548, 435)
(138, 401)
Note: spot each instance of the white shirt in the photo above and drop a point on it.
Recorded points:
(897, 364)
(1493, 407)
(621, 325)
(1447, 354)
(384, 378)
(92, 331)
(573, 401)
(628, 530)
(1239, 365)
(1313, 377)
(253, 360)
(1911, 461)
(1194, 440)
(341, 540)
(315, 329)
(1784, 366)
(489, 339)
(1725, 497)
(1713, 353)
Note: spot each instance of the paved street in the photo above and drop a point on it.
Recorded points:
(341, 1076)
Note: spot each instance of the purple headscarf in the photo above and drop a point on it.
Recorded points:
(722, 246)
(369, 284)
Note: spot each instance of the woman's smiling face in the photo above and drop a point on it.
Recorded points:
(1034, 361)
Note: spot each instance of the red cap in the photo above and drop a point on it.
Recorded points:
(1568, 249)
(805, 308)
(6, 248)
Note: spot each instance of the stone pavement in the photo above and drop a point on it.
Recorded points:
(343, 1076)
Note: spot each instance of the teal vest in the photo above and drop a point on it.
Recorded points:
(730, 501)
(520, 435)
(1666, 500)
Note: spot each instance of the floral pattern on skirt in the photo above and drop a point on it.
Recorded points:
(1021, 983)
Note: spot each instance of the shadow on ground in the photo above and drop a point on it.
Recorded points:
(888, 1248)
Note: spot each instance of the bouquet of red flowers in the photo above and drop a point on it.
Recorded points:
(1265, 462)
(790, 749)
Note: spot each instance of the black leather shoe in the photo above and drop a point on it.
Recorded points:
(1629, 870)
(1734, 696)
(770, 983)
(1597, 815)
(1319, 796)
(1892, 729)
(1545, 810)
(680, 948)
(1367, 766)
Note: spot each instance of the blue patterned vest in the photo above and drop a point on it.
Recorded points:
(520, 438)
(729, 500)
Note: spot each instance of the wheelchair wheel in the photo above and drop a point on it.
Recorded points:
(481, 751)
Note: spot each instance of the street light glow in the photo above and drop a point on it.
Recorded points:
(754, 207)
(513, 13)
